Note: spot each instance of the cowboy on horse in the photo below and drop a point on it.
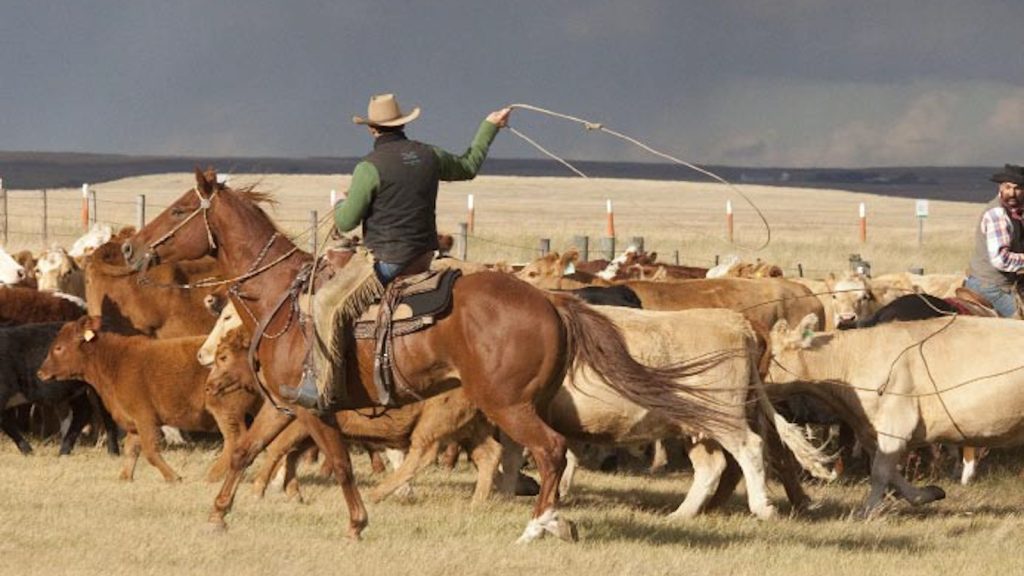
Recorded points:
(393, 192)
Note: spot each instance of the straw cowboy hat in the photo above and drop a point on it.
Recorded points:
(1009, 173)
(383, 110)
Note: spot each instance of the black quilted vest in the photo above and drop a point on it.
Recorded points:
(401, 223)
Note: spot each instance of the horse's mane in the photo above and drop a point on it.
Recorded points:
(254, 195)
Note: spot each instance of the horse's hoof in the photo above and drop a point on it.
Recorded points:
(216, 527)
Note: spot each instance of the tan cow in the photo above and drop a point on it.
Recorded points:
(586, 409)
(906, 384)
(146, 383)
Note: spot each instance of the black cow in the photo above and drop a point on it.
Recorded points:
(619, 295)
(905, 309)
(22, 350)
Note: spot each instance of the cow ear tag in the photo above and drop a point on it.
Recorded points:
(88, 336)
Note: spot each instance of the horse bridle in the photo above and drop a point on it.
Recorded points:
(204, 208)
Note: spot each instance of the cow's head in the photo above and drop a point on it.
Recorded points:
(550, 270)
(230, 370)
(227, 321)
(852, 299)
(11, 272)
(53, 265)
(68, 351)
(801, 336)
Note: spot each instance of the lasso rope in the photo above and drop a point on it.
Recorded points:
(597, 126)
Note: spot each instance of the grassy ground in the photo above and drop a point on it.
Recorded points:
(72, 516)
(817, 229)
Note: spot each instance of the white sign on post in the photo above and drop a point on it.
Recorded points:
(921, 208)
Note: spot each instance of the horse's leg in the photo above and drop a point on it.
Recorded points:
(268, 424)
(376, 462)
(132, 448)
(708, 464)
(659, 461)
(328, 438)
(727, 483)
(523, 425)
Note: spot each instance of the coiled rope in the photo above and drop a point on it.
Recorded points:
(599, 127)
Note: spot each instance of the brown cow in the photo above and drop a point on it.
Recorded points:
(146, 383)
(154, 304)
(19, 305)
(418, 428)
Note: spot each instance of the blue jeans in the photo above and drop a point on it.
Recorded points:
(386, 272)
(1004, 302)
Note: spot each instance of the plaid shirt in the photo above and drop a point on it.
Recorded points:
(996, 225)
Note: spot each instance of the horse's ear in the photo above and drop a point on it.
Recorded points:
(201, 183)
(206, 181)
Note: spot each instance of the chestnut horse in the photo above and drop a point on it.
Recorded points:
(505, 342)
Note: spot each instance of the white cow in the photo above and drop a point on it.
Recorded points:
(97, 236)
(10, 271)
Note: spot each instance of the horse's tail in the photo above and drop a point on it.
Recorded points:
(594, 341)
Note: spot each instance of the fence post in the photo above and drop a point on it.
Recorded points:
(608, 247)
(85, 207)
(4, 192)
(140, 211)
(463, 240)
(582, 244)
(610, 228)
(675, 256)
(545, 246)
(314, 220)
(728, 221)
(863, 223)
(46, 233)
(637, 241)
(800, 269)
(93, 216)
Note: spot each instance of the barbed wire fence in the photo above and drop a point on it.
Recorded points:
(38, 219)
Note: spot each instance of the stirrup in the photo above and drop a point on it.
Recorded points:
(305, 394)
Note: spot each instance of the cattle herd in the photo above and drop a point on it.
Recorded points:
(130, 356)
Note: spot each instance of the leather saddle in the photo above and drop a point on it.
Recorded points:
(972, 303)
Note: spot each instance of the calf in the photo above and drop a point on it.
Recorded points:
(146, 383)
(418, 428)
(22, 349)
(20, 305)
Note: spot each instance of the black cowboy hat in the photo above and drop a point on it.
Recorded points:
(1010, 173)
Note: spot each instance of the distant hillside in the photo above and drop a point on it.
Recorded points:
(33, 170)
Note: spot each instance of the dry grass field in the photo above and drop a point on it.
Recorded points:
(72, 516)
(815, 228)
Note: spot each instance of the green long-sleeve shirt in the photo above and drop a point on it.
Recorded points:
(365, 179)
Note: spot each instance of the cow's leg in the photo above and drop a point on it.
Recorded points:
(81, 413)
(485, 452)
(572, 463)
(727, 483)
(149, 437)
(132, 448)
(292, 439)
(268, 424)
(376, 462)
(708, 464)
(108, 425)
(328, 439)
(231, 423)
(512, 460)
(747, 448)
(413, 461)
(10, 427)
(451, 456)
(970, 465)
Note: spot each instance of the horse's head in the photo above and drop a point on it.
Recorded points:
(182, 231)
